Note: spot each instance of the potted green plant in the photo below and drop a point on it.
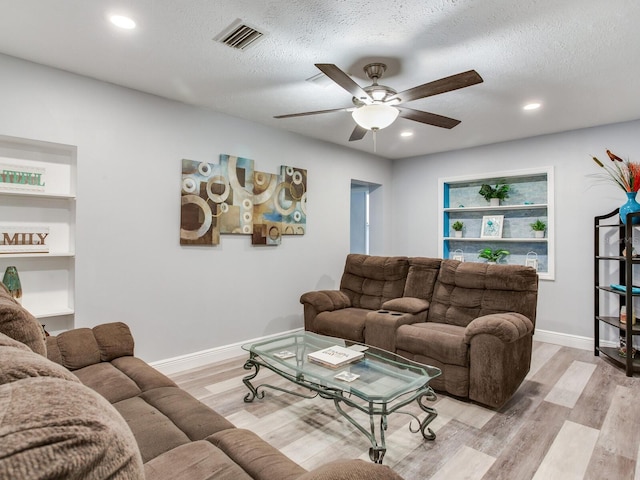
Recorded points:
(538, 228)
(493, 195)
(457, 228)
(493, 256)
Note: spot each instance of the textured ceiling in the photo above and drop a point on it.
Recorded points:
(580, 58)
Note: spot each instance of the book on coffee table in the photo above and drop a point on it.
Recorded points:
(335, 356)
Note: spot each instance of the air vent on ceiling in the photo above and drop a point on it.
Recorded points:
(239, 35)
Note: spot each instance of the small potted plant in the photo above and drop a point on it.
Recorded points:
(538, 228)
(493, 256)
(493, 195)
(457, 228)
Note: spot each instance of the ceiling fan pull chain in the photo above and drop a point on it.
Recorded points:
(374, 142)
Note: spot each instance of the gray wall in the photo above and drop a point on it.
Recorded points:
(129, 264)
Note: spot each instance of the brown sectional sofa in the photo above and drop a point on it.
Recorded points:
(474, 321)
(92, 410)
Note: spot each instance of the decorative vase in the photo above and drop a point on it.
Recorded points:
(457, 233)
(494, 202)
(630, 206)
(538, 233)
(12, 281)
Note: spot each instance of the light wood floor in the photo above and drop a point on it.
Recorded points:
(575, 416)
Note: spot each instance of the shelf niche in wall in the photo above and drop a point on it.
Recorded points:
(530, 198)
(48, 278)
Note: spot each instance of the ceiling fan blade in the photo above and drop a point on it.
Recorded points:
(358, 133)
(447, 84)
(344, 80)
(291, 115)
(428, 118)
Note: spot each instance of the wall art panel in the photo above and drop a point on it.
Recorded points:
(231, 197)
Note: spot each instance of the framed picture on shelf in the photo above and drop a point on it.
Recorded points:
(492, 226)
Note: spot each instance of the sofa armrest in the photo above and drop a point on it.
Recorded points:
(508, 327)
(326, 300)
(381, 326)
(350, 469)
(499, 356)
(406, 305)
(321, 301)
(82, 347)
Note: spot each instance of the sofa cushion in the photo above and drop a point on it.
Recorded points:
(82, 347)
(154, 432)
(421, 277)
(19, 324)
(144, 375)
(194, 461)
(443, 342)
(7, 341)
(369, 281)
(19, 362)
(114, 340)
(122, 378)
(78, 348)
(193, 417)
(347, 323)
(259, 459)
(108, 381)
(468, 290)
(73, 433)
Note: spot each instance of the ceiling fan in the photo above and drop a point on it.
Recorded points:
(377, 106)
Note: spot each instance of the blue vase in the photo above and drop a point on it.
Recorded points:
(630, 206)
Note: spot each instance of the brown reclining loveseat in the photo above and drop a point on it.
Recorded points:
(474, 321)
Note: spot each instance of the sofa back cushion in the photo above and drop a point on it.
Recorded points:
(369, 281)
(82, 347)
(17, 323)
(468, 290)
(421, 277)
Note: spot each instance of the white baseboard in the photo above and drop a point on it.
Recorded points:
(563, 339)
(199, 359)
(204, 357)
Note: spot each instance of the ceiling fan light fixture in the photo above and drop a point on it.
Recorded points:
(376, 116)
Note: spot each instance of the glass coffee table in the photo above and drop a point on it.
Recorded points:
(378, 384)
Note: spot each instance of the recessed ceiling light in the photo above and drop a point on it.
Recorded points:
(532, 106)
(122, 22)
(406, 134)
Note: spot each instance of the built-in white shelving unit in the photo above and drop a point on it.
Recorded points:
(530, 198)
(48, 279)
